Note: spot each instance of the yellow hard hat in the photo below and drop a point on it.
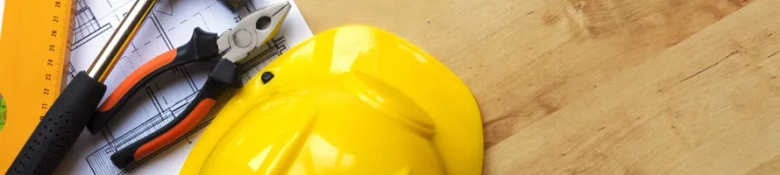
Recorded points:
(351, 100)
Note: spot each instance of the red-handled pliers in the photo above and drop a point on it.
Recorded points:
(231, 48)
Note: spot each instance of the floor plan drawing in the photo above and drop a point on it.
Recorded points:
(169, 25)
(86, 25)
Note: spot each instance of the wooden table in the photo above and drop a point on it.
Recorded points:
(602, 86)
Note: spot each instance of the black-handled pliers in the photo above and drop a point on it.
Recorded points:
(231, 48)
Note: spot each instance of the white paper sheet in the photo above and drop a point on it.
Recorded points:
(169, 26)
(2, 7)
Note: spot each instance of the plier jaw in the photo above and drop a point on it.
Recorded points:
(231, 48)
(252, 31)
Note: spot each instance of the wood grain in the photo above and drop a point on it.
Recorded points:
(603, 86)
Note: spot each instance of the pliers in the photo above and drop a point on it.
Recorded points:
(230, 48)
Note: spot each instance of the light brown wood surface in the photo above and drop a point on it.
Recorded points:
(602, 86)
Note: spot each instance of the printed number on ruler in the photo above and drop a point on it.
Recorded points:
(56, 49)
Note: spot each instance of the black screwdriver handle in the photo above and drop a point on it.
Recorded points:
(60, 127)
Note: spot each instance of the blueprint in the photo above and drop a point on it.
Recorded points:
(169, 25)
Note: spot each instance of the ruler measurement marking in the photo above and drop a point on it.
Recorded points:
(56, 51)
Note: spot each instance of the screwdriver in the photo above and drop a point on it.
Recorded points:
(59, 129)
